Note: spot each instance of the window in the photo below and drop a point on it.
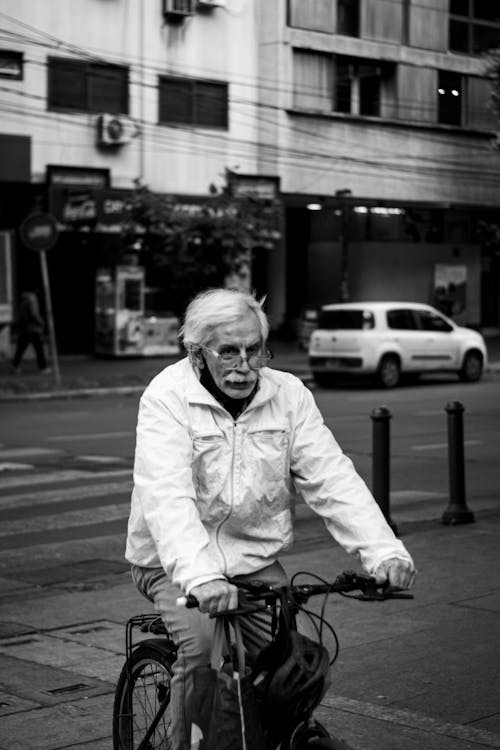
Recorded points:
(315, 15)
(348, 17)
(352, 85)
(449, 98)
(87, 87)
(401, 320)
(429, 321)
(189, 101)
(352, 320)
(11, 65)
(474, 26)
(358, 86)
(313, 80)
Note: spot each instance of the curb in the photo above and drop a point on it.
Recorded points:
(128, 390)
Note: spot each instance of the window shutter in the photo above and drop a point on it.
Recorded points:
(313, 81)
(383, 21)
(417, 93)
(107, 88)
(176, 100)
(479, 109)
(210, 104)
(66, 89)
(429, 24)
(316, 15)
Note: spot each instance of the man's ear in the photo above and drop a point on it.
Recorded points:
(197, 359)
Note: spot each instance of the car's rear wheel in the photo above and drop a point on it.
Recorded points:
(472, 367)
(389, 371)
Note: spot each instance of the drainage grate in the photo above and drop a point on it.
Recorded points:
(67, 689)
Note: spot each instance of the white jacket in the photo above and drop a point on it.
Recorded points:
(214, 497)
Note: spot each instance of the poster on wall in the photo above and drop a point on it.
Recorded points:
(450, 289)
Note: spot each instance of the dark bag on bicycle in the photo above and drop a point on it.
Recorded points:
(225, 715)
(291, 675)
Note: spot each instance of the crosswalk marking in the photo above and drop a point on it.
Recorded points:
(89, 436)
(10, 466)
(56, 477)
(438, 446)
(23, 452)
(45, 507)
(67, 493)
(65, 520)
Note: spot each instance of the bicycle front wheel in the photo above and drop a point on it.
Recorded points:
(141, 712)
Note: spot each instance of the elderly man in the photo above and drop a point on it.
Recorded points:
(224, 444)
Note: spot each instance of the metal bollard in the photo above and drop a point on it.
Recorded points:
(457, 510)
(381, 417)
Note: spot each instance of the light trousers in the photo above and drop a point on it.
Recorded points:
(192, 632)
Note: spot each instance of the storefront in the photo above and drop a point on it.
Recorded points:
(392, 252)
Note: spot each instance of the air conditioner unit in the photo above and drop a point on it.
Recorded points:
(207, 4)
(115, 130)
(177, 10)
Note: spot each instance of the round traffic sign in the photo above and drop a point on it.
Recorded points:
(39, 231)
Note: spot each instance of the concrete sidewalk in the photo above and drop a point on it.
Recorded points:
(87, 375)
(417, 674)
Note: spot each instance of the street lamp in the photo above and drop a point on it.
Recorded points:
(340, 195)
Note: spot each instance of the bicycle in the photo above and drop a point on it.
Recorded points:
(141, 707)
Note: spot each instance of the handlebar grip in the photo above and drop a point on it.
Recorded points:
(189, 601)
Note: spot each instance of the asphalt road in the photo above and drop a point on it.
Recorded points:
(67, 464)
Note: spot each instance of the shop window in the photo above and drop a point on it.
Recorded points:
(87, 87)
(348, 17)
(450, 96)
(474, 26)
(11, 65)
(196, 102)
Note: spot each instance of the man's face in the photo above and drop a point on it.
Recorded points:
(240, 338)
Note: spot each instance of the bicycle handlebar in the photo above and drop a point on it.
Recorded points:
(345, 583)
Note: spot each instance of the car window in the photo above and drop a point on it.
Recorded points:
(429, 321)
(356, 320)
(402, 320)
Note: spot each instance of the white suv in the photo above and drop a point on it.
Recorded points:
(392, 339)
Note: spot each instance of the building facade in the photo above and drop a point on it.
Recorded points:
(382, 119)
(376, 112)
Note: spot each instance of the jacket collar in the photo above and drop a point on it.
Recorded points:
(198, 394)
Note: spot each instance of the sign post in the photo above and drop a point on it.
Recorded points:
(39, 232)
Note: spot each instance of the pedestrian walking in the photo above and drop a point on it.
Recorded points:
(31, 327)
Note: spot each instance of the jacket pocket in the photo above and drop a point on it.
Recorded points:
(267, 452)
(208, 465)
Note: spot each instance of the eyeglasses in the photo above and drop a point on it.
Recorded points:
(231, 356)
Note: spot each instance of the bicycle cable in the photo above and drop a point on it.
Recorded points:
(312, 616)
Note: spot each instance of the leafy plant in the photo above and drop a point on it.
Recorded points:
(191, 246)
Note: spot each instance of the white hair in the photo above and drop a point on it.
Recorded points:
(213, 307)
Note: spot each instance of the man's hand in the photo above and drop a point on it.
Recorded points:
(399, 574)
(216, 596)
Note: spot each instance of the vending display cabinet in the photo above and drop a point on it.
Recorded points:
(122, 327)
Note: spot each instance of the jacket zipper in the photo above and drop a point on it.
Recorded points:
(221, 524)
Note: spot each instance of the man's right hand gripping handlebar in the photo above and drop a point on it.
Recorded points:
(214, 596)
